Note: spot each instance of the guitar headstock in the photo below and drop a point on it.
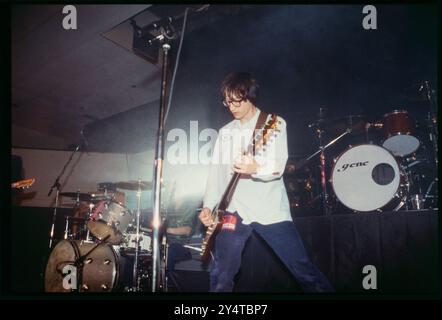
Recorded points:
(267, 134)
(23, 184)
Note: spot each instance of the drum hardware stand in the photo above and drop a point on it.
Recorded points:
(427, 194)
(432, 118)
(401, 203)
(135, 282)
(432, 125)
(415, 197)
(57, 186)
(66, 229)
(322, 159)
(165, 268)
(89, 213)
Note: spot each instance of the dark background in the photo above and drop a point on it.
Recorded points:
(305, 57)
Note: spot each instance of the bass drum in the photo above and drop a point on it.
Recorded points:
(367, 178)
(101, 271)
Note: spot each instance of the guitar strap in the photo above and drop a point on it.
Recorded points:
(259, 125)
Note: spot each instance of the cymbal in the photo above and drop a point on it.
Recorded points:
(133, 185)
(356, 123)
(88, 197)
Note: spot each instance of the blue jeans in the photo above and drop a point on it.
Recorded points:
(285, 241)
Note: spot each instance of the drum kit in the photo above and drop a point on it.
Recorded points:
(395, 172)
(104, 247)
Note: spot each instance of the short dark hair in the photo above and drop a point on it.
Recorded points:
(241, 84)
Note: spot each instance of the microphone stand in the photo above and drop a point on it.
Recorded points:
(158, 162)
(166, 32)
(57, 186)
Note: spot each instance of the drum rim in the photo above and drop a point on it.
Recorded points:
(333, 169)
(117, 232)
(46, 274)
(396, 111)
(115, 273)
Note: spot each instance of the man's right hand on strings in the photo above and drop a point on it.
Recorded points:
(205, 217)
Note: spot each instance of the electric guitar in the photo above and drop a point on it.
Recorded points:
(258, 144)
(23, 184)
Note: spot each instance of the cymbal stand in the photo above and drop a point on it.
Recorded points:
(432, 119)
(432, 125)
(322, 161)
(89, 216)
(66, 228)
(135, 282)
(164, 278)
(325, 207)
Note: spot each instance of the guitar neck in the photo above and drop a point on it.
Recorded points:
(228, 193)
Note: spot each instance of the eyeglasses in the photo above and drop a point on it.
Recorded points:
(235, 103)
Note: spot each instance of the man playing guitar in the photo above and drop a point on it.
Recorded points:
(257, 200)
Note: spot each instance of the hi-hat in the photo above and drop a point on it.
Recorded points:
(134, 185)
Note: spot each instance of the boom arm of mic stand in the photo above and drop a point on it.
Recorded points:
(57, 186)
(57, 183)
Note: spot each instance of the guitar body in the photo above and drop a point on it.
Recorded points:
(209, 239)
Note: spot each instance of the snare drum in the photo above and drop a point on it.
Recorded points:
(366, 178)
(109, 219)
(399, 133)
(128, 245)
